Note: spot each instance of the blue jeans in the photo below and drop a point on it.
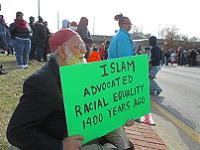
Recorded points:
(22, 48)
(153, 85)
(154, 70)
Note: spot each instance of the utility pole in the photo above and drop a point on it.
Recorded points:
(93, 24)
(38, 7)
(58, 20)
(159, 31)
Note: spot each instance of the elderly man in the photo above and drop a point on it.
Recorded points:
(38, 123)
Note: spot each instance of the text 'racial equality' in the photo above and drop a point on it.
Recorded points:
(123, 98)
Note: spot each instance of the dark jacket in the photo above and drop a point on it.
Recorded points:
(31, 24)
(38, 122)
(3, 35)
(18, 32)
(83, 31)
(5, 38)
(156, 53)
(84, 34)
(40, 35)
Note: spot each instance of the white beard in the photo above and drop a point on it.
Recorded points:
(72, 59)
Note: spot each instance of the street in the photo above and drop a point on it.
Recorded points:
(181, 93)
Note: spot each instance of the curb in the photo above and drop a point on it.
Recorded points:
(195, 136)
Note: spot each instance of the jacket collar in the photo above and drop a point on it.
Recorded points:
(123, 30)
(54, 67)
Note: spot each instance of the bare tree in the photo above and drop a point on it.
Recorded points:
(138, 33)
(170, 35)
(183, 37)
(186, 42)
(194, 39)
(194, 42)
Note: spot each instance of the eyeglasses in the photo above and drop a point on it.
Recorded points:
(127, 23)
(79, 46)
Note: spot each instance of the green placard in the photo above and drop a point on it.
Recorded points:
(100, 97)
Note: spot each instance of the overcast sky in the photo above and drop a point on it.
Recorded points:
(150, 15)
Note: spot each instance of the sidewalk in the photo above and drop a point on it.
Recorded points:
(144, 137)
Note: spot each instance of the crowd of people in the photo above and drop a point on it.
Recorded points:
(29, 41)
(182, 57)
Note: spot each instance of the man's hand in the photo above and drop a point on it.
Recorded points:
(72, 143)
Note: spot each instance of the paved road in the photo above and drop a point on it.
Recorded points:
(181, 93)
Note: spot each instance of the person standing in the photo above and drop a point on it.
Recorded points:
(31, 24)
(65, 24)
(154, 65)
(104, 50)
(4, 35)
(156, 55)
(21, 32)
(73, 26)
(121, 44)
(40, 36)
(46, 45)
(4, 40)
(85, 35)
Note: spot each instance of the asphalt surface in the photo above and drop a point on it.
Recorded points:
(181, 93)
